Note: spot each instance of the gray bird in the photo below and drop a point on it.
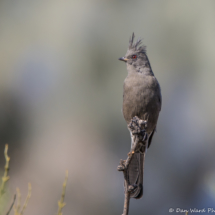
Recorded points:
(141, 98)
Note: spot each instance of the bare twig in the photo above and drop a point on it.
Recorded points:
(14, 199)
(127, 195)
(139, 136)
(61, 203)
(123, 167)
(17, 207)
(27, 199)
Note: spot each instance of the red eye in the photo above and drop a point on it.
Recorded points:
(134, 56)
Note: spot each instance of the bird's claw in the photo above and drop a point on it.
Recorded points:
(144, 135)
(136, 125)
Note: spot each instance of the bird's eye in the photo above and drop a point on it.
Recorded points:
(134, 56)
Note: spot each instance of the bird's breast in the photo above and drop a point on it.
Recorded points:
(140, 97)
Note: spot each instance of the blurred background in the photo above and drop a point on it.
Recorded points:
(61, 90)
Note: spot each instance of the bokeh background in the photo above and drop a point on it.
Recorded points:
(61, 98)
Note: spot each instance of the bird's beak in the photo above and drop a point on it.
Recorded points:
(123, 59)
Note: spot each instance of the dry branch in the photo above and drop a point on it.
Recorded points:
(139, 137)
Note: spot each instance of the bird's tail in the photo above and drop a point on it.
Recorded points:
(135, 174)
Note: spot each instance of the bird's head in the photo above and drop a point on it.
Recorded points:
(136, 54)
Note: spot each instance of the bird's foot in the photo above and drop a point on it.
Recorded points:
(144, 135)
(136, 125)
(143, 123)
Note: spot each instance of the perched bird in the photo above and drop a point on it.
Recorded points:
(141, 98)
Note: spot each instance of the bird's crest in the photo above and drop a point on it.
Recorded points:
(135, 46)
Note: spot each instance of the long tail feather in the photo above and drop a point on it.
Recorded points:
(135, 174)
